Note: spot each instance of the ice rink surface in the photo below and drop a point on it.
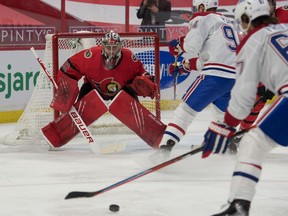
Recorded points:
(34, 181)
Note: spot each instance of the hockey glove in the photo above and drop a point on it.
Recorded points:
(175, 46)
(264, 93)
(143, 86)
(178, 69)
(216, 139)
(269, 95)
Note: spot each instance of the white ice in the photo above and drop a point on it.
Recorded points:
(34, 181)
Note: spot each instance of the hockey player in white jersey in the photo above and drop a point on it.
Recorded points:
(263, 94)
(261, 57)
(211, 41)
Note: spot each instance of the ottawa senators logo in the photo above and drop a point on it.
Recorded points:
(88, 53)
(109, 86)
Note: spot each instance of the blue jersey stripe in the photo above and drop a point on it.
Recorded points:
(246, 175)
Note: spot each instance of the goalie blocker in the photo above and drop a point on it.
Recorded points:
(91, 107)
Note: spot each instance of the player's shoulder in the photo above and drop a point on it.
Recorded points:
(200, 15)
(282, 14)
(260, 35)
(126, 51)
(129, 55)
(95, 48)
(91, 52)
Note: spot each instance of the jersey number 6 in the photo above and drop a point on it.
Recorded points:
(279, 42)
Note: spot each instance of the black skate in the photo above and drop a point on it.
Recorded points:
(163, 153)
(168, 147)
(236, 208)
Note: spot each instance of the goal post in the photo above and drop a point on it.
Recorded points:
(59, 47)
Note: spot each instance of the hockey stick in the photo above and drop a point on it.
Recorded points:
(82, 127)
(81, 194)
(175, 78)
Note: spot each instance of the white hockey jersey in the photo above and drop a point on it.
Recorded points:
(262, 57)
(212, 37)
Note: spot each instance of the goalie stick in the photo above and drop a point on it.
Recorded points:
(78, 121)
(82, 194)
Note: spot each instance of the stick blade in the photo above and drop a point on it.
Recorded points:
(79, 194)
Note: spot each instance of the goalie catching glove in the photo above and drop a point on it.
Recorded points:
(66, 94)
(143, 86)
(217, 138)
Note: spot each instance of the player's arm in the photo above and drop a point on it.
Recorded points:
(192, 43)
(184, 67)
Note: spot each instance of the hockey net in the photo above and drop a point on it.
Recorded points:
(58, 48)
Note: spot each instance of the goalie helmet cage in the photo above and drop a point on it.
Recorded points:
(58, 48)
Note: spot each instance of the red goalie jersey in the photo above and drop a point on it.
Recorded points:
(90, 64)
(107, 68)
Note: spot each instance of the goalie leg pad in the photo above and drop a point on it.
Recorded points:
(136, 117)
(63, 129)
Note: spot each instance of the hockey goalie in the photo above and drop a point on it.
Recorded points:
(110, 72)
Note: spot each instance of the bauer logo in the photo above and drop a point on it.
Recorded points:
(81, 126)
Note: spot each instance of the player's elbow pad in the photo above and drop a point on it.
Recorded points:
(143, 86)
(66, 94)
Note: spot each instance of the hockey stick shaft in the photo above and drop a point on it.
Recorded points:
(82, 194)
(175, 78)
(79, 194)
(82, 127)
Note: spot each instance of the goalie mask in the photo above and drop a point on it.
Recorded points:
(111, 49)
